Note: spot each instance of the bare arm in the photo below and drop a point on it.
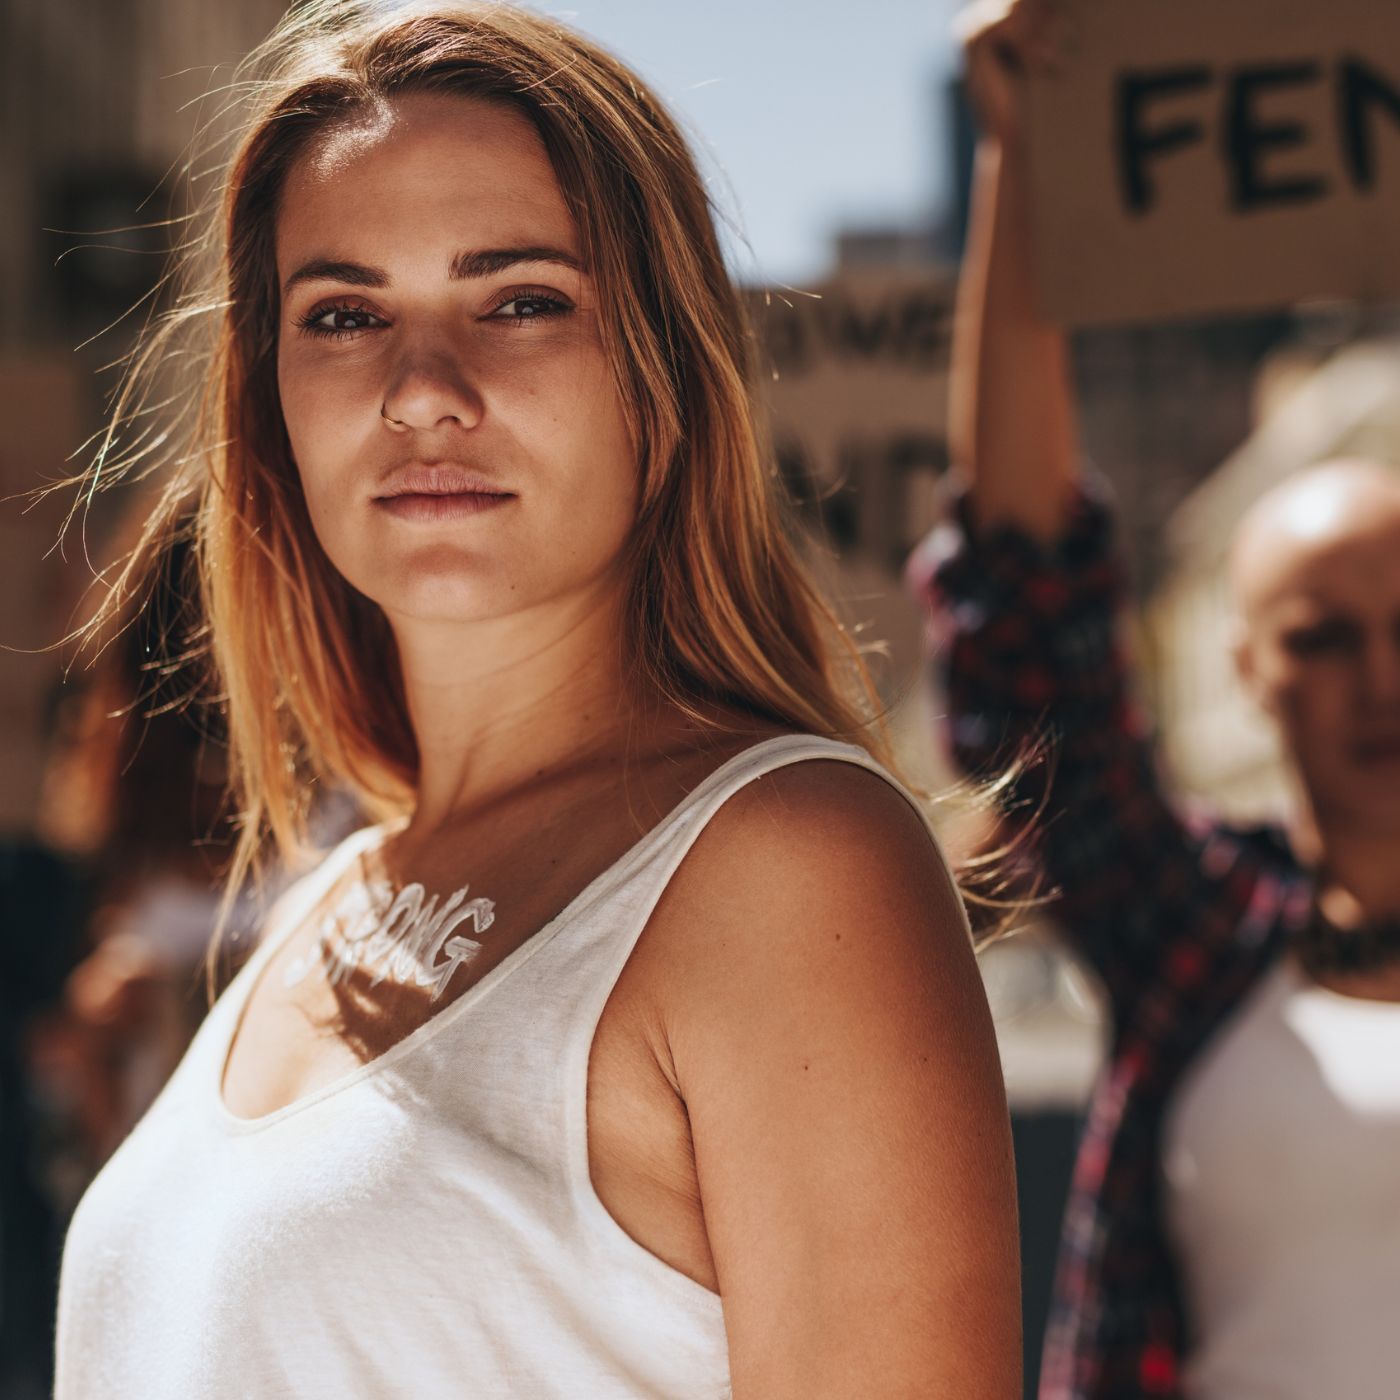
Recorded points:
(831, 1040)
(1011, 412)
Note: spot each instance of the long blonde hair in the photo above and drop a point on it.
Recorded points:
(721, 608)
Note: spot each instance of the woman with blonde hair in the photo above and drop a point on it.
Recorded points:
(638, 1048)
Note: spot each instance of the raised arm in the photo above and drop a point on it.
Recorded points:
(1012, 427)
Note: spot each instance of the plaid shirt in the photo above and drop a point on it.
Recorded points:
(1178, 919)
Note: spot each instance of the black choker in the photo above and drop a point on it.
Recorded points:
(1324, 948)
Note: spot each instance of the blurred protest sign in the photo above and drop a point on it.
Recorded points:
(1217, 155)
(854, 375)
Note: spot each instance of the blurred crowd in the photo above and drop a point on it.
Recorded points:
(122, 876)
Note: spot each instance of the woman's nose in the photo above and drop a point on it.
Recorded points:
(431, 389)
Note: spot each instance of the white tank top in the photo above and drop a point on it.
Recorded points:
(1280, 1153)
(424, 1226)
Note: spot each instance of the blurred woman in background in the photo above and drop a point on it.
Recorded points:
(136, 793)
(1233, 1228)
(136, 797)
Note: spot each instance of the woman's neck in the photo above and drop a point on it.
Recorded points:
(1357, 865)
(498, 703)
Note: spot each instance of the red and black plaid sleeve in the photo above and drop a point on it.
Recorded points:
(1026, 639)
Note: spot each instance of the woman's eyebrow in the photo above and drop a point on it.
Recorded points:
(490, 261)
(484, 262)
(329, 270)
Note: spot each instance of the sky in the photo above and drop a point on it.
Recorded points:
(808, 115)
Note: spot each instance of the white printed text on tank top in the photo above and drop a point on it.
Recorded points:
(397, 936)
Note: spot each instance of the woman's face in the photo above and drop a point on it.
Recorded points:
(1324, 659)
(460, 438)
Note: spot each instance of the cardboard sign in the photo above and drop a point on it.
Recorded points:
(855, 383)
(1217, 155)
(854, 378)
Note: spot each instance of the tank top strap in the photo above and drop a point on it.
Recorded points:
(766, 757)
(599, 948)
(757, 761)
(614, 925)
(682, 829)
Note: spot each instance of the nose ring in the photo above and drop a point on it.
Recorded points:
(394, 422)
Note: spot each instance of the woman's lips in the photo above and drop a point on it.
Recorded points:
(441, 505)
(1380, 749)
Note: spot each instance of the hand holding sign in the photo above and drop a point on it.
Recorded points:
(1004, 41)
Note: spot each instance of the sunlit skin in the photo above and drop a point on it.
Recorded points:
(502, 375)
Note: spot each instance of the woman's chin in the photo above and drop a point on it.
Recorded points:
(446, 596)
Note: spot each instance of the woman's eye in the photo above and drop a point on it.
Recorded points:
(343, 321)
(532, 307)
(1323, 638)
(337, 320)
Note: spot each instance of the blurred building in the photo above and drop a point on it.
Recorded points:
(100, 104)
(1160, 406)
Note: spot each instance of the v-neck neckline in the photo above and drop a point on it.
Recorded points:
(370, 839)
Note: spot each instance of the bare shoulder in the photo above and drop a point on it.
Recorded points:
(814, 894)
(826, 1028)
(823, 839)
(822, 800)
